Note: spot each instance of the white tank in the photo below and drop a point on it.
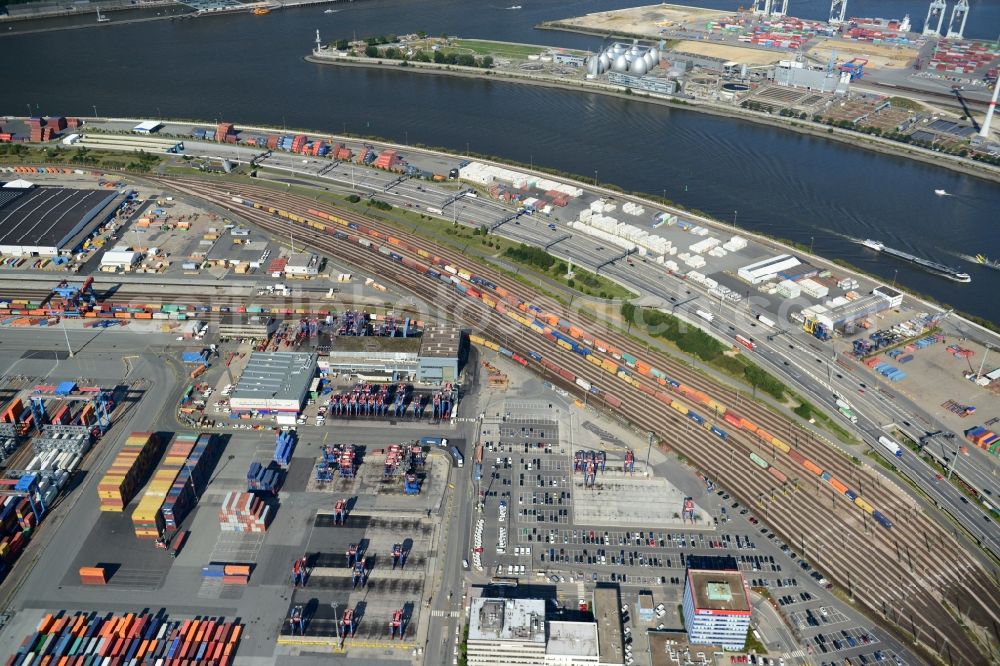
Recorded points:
(621, 64)
(618, 49)
(638, 67)
(635, 51)
(656, 54)
(605, 63)
(593, 65)
(648, 57)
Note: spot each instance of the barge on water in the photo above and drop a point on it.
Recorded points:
(926, 264)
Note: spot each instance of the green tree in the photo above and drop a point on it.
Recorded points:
(439, 57)
(486, 62)
(341, 45)
(466, 60)
(371, 51)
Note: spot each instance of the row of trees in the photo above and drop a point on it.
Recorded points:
(438, 57)
(695, 341)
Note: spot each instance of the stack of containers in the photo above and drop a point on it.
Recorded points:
(123, 478)
(264, 480)
(143, 638)
(93, 576)
(283, 448)
(147, 519)
(231, 574)
(243, 512)
(298, 142)
(190, 482)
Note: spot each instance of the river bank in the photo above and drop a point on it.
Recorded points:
(856, 139)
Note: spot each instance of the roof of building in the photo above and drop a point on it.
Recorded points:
(770, 265)
(374, 344)
(19, 184)
(722, 592)
(276, 375)
(440, 341)
(574, 639)
(299, 260)
(887, 291)
(244, 320)
(607, 609)
(148, 126)
(520, 620)
(47, 216)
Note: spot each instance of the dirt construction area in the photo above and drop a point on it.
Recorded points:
(879, 56)
(740, 54)
(648, 20)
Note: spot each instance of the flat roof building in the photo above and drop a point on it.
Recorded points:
(506, 631)
(513, 632)
(247, 326)
(440, 350)
(764, 270)
(302, 265)
(894, 296)
(374, 357)
(716, 608)
(571, 644)
(274, 382)
(607, 612)
(47, 221)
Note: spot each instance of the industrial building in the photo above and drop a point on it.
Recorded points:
(441, 349)
(433, 358)
(651, 84)
(302, 265)
(795, 74)
(274, 382)
(504, 632)
(767, 269)
(716, 608)
(894, 296)
(256, 327)
(49, 221)
(374, 358)
(147, 127)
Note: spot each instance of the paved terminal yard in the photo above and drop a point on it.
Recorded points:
(379, 518)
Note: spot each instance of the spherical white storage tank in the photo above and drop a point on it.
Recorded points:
(593, 65)
(638, 67)
(621, 64)
(605, 63)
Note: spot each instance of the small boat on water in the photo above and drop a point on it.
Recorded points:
(514, 7)
(330, 11)
(992, 263)
(941, 193)
(260, 11)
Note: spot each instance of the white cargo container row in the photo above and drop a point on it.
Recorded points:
(486, 174)
(656, 245)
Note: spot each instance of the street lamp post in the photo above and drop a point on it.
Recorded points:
(95, 110)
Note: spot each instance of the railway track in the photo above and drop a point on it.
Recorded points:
(906, 574)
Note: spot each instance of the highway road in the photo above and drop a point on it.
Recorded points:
(793, 355)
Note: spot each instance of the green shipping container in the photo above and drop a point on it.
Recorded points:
(759, 461)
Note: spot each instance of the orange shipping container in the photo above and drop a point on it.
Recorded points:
(811, 466)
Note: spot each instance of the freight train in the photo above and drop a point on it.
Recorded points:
(561, 333)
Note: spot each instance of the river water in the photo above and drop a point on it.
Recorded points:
(250, 69)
